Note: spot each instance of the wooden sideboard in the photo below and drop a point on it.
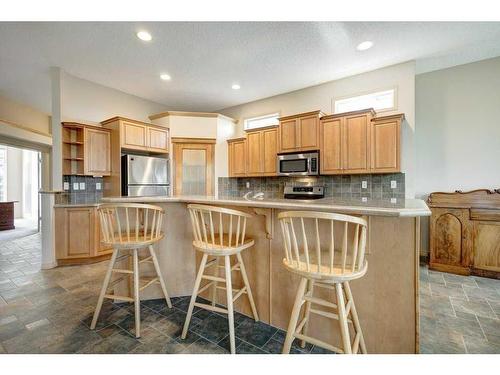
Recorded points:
(465, 232)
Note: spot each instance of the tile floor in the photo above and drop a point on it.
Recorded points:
(50, 311)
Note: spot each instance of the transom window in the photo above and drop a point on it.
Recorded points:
(261, 121)
(380, 101)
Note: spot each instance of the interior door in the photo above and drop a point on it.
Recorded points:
(194, 166)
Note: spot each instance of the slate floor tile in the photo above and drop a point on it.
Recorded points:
(486, 293)
(120, 342)
(478, 307)
(255, 333)
(204, 346)
(214, 328)
(476, 345)
(246, 348)
(491, 328)
(280, 336)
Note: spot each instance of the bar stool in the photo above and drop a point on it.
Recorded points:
(319, 263)
(128, 228)
(212, 239)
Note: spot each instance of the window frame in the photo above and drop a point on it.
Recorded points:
(276, 114)
(364, 93)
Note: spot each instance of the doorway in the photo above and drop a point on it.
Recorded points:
(193, 169)
(20, 178)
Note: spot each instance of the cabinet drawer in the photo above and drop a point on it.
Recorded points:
(486, 214)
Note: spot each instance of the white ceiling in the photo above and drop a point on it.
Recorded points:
(205, 59)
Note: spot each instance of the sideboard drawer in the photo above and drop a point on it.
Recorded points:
(486, 214)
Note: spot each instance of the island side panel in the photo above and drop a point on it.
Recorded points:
(385, 296)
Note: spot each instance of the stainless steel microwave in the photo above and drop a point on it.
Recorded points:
(298, 164)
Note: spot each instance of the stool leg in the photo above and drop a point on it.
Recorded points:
(194, 295)
(354, 317)
(158, 272)
(344, 329)
(229, 295)
(292, 325)
(213, 292)
(247, 284)
(104, 288)
(137, 301)
(310, 286)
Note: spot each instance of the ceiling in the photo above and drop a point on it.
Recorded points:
(204, 59)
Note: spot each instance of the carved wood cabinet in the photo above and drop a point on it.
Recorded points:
(465, 232)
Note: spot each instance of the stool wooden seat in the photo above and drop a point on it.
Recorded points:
(326, 250)
(128, 228)
(219, 232)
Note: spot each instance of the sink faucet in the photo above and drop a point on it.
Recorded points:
(259, 196)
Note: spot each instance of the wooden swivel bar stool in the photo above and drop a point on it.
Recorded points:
(129, 228)
(219, 232)
(314, 253)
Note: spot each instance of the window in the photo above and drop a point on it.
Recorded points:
(3, 173)
(379, 101)
(261, 121)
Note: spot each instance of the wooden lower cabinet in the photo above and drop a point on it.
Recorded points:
(78, 236)
(465, 232)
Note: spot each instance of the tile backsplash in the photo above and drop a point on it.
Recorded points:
(345, 186)
(81, 189)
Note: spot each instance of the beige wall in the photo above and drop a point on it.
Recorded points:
(15, 179)
(458, 130)
(321, 97)
(23, 115)
(92, 103)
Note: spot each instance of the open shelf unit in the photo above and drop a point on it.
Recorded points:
(72, 150)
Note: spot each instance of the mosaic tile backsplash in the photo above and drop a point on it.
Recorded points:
(82, 189)
(346, 186)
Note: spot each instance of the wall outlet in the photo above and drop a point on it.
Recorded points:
(394, 200)
(98, 186)
(247, 184)
(65, 185)
(364, 199)
(82, 185)
(364, 184)
(394, 184)
(75, 186)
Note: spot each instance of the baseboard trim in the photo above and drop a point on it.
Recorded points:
(48, 266)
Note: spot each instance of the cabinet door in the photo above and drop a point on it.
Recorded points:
(255, 151)
(76, 232)
(331, 146)
(486, 245)
(288, 136)
(385, 146)
(308, 133)
(355, 148)
(97, 152)
(450, 239)
(157, 139)
(270, 142)
(194, 168)
(134, 136)
(237, 159)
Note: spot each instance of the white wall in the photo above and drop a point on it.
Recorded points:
(15, 179)
(458, 132)
(321, 97)
(92, 103)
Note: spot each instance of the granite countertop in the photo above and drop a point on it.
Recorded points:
(66, 205)
(379, 207)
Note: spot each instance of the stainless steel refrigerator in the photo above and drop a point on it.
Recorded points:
(145, 176)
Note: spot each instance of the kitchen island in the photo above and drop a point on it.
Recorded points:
(386, 297)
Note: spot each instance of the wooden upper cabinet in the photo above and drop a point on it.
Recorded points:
(270, 143)
(255, 147)
(299, 132)
(330, 136)
(237, 157)
(137, 135)
(356, 144)
(386, 143)
(97, 152)
(157, 139)
(288, 136)
(308, 128)
(133, 136)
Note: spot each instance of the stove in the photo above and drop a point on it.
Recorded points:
(304, 192)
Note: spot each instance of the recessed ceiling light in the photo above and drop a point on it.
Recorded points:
(236, 86)
(144, 35)
(364, 45)
(165, 77)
